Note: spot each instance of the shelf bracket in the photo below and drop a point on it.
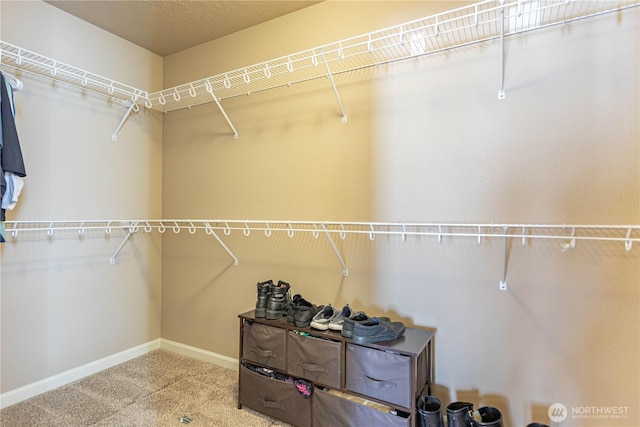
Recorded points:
(345, 270)
(131, 106)
(501, 93)
(505, 260)
(112, 260)
(224, 114)
(333, 84)
(211, 231)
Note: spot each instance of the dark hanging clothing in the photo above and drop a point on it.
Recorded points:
(10, 153)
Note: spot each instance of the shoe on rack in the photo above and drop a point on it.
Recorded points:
(337, 321)
(279, 300)
(295, 301)
(356, 317)
(323, 317)
(263, 296)
(304, 312)
(376, 330)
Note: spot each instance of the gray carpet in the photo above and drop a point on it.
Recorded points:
(160, 388)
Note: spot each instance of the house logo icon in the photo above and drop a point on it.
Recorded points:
(557, 412)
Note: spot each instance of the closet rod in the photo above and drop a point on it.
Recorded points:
(24, 60)
(455, 28)
(572, 232)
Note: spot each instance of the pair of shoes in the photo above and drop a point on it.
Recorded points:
(273, 300)
(301, 311)
(376, 330)
(279, 300)
(330, 318)
(356, 317)
(323, 317)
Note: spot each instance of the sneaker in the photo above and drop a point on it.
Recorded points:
(356, 317)
(304, 313)
(376, 330)
(323, 317)
(337, 321)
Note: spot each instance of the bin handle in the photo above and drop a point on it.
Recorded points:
(381, 383)
(272, 404)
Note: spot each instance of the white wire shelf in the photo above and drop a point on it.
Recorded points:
(568, 235)
(476, 23)
(26, 61)
(464, 26)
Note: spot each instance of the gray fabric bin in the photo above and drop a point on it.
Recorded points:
(315, 359)
(276, 398)
(264, 345)
(379, 374)
(335, 411)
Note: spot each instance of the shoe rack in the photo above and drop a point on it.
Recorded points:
(352, 384)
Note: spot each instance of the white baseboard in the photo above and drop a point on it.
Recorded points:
(28, 391)
(200, 354)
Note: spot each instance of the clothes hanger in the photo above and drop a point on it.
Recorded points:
(16, 84)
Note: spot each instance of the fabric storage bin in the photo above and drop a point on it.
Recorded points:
(276, 398)
(264, 345)
(315, 359)
(333, 410)
(379, 374)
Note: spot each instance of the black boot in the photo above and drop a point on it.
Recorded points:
(490, 417)
(459, 414)
(279, 300)
(263, 296)
(430, 412)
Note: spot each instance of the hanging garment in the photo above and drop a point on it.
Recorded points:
(11, 161)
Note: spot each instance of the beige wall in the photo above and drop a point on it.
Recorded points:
(426, 140)
(63, 304)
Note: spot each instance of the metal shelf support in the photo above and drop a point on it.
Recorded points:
(112, 260)
(209, 89)
(211, 231)
(345, 270)
(505, 259)
(131, 106)
(333, 85)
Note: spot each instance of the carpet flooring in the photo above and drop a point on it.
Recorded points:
(160, 388)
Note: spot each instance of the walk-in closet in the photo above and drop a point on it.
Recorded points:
(470, 169)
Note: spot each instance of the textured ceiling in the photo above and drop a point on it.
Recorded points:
(169, 26)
